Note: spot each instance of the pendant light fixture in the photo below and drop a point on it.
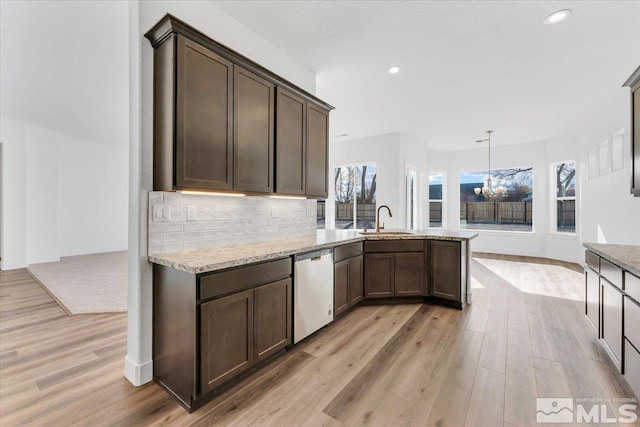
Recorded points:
(487, 190)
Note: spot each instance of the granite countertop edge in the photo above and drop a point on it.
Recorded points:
(192, 261)
(601, 250)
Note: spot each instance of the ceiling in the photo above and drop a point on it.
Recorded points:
(467, 66)
(64, 66)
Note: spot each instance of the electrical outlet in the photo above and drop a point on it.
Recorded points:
(274, 211)
(191, 213)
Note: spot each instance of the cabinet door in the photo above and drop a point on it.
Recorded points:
(355, 281)
(341, 287)
(317, 151)
(445, 269)
(253, 127)
(612, 319)
(226, 339)
(204, 131)
(291, 123)
(378, 275)
(409, 270)
(272, 316)
(592, 280)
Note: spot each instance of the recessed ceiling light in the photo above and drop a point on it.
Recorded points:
(394, 70)
(557, 16)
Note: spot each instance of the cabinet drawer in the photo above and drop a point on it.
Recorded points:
(631, 321)
(632, 366)
(632, 286)
(347, 251)
(393, 246)
(611, 272)
(592, 260)
(226, 282)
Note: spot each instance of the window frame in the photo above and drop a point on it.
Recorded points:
(553, 191)
(441, 200)
(523, 233)
(355, 208)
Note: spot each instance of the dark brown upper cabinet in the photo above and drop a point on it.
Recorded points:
(634, 83)
(291, 143)
(194, 97)
(317, 184)
(218, 127)
(253, 127)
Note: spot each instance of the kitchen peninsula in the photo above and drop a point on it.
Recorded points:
(221, 312)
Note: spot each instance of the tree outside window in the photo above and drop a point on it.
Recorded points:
(355, 190)
(507, 206)
(565, 179)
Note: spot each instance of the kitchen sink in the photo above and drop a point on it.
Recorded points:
(385, 233)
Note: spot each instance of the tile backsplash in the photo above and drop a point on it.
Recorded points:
(180, 222)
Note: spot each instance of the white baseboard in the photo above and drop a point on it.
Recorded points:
(138, 374)
(12, 265)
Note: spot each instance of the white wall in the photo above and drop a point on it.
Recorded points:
(412, 152)
(382, 150)
(607, 213)
(391, 153)
(610, 214)
(42, 195)
(14, 194)
(61, 196)
(218, 25)
(92, 195)
(64, 108)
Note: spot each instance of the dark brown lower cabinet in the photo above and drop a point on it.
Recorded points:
(340, 287)
(445, 269)
(592, 291)
(394, 274)
(226, 338)
(272, 318)
(211, 328)
(347, 281)
(408, 274)
(356, 291)
(611, 332)
(379, 275)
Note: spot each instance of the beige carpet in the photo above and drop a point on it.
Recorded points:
(95, 283)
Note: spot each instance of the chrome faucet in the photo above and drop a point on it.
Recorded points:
(378, 228)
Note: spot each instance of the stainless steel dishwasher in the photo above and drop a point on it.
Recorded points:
(312, 292)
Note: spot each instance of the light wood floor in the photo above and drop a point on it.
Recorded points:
(524, 336)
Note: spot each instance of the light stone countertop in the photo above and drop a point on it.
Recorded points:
(219, 258)
(625, 256)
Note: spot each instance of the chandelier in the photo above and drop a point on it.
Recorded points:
(487, 190)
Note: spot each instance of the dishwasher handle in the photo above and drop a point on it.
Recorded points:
(314, 256)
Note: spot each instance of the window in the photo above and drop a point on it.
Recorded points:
(355, 196)
(502, 201)
(435, 199)
(412, 192)
(320, 216)
(565, 193)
